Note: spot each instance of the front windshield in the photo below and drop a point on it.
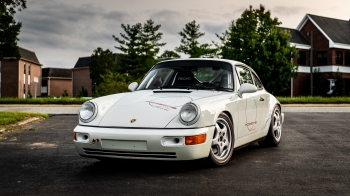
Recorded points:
(189, 74)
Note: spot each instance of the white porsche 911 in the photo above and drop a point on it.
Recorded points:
(183, 109)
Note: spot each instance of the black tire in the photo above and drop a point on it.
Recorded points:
(222, 142)
(273, 137)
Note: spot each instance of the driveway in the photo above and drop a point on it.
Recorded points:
(312, 159)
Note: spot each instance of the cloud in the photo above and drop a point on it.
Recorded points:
(56, 25)
(172, 21)
(215, 28)
(288, 10)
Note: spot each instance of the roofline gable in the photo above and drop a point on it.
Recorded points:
(303, 22)
(331, 42)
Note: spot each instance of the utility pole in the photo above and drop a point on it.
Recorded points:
(311, 34)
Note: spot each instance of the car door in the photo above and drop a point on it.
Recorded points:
(261, 100)
(248, 124)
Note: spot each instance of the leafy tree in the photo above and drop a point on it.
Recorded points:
(256, 40)
(112, 83)
(339, 84)
(169, 54)
(189, 41)
(9, 28)
(139, 44)
(101, 62)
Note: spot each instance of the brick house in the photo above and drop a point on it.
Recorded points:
(55, 81)
(330, 40)
(81, 76)
(17, 76)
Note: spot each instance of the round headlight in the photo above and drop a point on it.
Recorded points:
(87, 112)
(189, 114)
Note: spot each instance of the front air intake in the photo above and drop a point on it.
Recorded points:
(116, 154)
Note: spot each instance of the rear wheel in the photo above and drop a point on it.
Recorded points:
(273, 137)
(222, 142)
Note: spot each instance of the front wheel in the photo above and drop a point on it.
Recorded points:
(273, 137)
(222, 142)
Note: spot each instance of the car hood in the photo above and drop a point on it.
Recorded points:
(150, 109)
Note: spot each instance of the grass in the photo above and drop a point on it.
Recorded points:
(13, 117)
(314, 100)
(63, 101)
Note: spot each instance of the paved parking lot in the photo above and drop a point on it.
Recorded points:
(312, 159)
(73, 109)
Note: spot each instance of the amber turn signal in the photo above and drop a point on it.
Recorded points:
(75, 136)
(197, 139)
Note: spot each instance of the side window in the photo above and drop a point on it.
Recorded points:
(244, 75)
(258, 83)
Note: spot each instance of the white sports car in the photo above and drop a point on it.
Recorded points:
(182, 110)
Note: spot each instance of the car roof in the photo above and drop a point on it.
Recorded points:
(208, 59)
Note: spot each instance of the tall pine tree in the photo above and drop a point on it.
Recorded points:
(255, 40)
(129, 45)
(139, 45)
(189, 41)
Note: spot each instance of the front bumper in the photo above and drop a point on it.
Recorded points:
(147, 144)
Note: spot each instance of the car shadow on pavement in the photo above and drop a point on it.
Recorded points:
(123, 166)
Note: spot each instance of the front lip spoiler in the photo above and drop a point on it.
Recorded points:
(116, 127)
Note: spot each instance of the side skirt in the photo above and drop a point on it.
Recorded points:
(247, 144)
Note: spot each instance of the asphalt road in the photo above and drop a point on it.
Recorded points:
(312, 159)
(73, 109)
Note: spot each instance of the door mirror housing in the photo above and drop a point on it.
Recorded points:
(132, 87)
(246, 88)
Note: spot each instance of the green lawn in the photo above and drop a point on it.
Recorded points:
(314, 100)
(13, 117)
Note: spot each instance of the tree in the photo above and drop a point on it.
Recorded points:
(255, 40)
(101, 62)
(112, 83)
(82, 92)
(139, 46)
(339, 84)
(189, 41)
(65, 93)
(169, 54)
(9, 28)
(320, 84)
(129, 46)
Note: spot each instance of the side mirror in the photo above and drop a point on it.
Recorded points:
(246, 88)
(133, 86)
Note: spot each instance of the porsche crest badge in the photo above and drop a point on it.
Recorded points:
(133, 120)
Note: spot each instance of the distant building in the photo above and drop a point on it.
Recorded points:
(81, 76)
(55, 81)
(17, 76)
(331, 52)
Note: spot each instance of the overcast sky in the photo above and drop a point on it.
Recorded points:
(61, 31)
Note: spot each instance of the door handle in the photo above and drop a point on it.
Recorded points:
(261, 99)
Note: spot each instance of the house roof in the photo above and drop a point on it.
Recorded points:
(56, 72)
(29, 55)
(297, 37)
(337, 30)
(83, 62)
